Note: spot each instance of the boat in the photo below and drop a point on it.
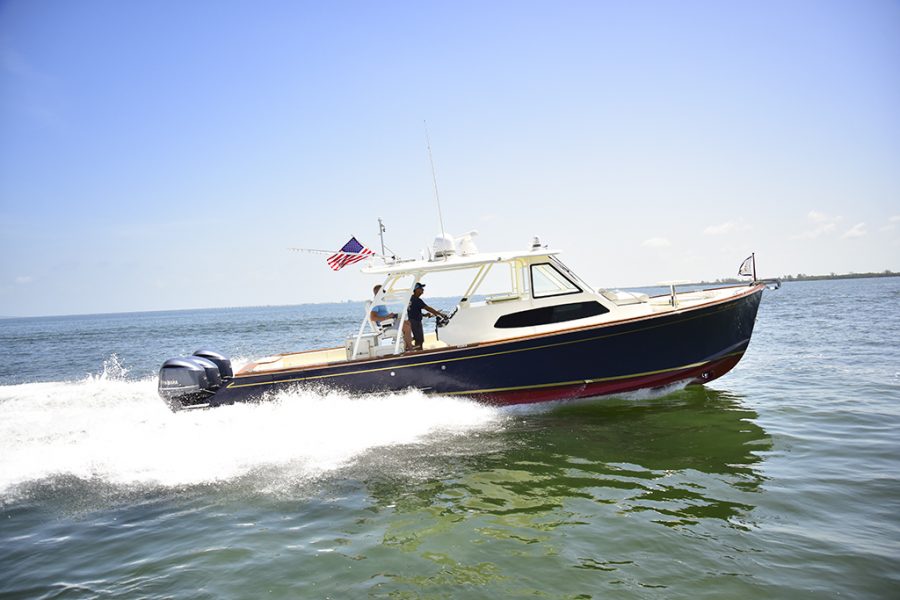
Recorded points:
(527, 329)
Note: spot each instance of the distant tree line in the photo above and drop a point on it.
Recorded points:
(805, 277)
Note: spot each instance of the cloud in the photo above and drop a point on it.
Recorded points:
(40, 98)
(822, 223)
(14, 63)
(656, 242)
(24, 279)
(725, 228)
(858, 230)
(721, 229)
(892, 223)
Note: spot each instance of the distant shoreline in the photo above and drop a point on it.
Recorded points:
(804, 277)
(730, 280)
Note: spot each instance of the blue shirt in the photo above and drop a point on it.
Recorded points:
(381, 310)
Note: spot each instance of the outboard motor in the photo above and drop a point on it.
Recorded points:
(213, 377)
(223, 363)
(185, 382)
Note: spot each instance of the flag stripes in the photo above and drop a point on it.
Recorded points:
(350, 253)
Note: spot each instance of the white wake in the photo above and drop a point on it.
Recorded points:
(119, 431)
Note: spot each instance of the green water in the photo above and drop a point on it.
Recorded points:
(778, 481)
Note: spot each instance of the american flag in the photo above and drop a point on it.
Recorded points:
(352, 252)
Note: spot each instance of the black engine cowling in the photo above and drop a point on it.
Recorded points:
(220, 361)
(189, 381)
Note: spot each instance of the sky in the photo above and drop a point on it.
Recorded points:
(160, 155)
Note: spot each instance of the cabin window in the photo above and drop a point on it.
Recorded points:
(495, 282)
(551, 314)
(547, 280)
(499, 280)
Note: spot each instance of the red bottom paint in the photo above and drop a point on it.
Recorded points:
(693, 375)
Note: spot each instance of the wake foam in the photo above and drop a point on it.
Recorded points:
(117, 431)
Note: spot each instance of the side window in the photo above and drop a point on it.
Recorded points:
(551, 314)
(546, 280)
(498, 281)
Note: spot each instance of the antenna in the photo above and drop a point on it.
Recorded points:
(434, 179)
(384, 249)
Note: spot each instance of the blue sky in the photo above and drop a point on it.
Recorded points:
(161, 155)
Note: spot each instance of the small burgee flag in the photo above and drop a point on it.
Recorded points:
(747, 267)
(351, 252)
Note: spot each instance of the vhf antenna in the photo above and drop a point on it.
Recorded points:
(381, 230)
(434, 179)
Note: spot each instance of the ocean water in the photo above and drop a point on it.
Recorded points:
(780, 480)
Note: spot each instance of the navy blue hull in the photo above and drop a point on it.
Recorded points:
(696, 344)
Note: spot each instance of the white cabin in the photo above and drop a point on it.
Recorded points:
(541, 295)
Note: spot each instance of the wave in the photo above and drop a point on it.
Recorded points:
(114, 429)
(118, 431)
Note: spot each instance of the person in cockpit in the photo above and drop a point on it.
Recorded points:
(412, 329)
(380, 312)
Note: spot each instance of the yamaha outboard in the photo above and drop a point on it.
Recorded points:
(190, 381)
(220, 361)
